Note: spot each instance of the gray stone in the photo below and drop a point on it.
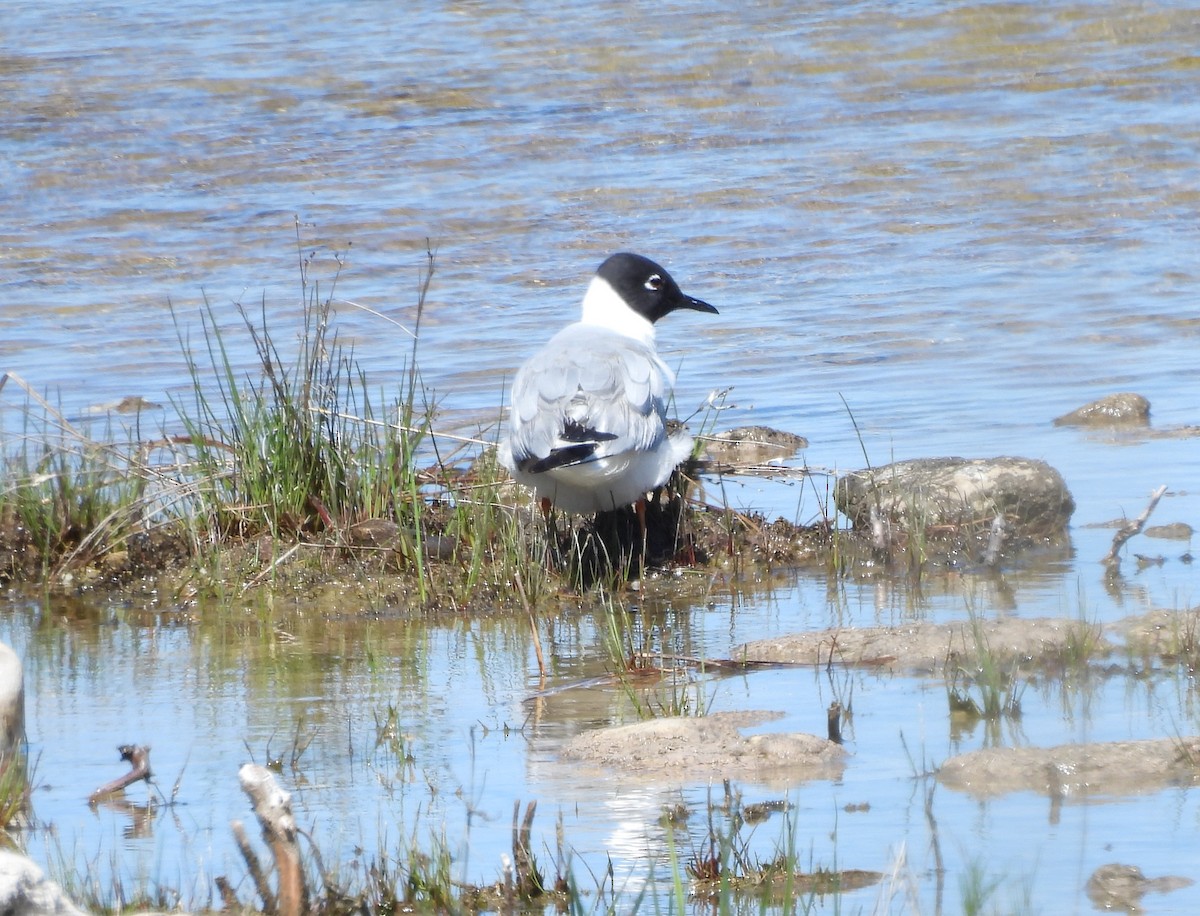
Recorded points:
(1175, 531)
(1121, 887)
(752, 445)
(680, 749)
(933, 648)
(1071, 772)
(1124, 409)
(25, 891)
(937, 497)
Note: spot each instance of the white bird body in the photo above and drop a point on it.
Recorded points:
(588, 421)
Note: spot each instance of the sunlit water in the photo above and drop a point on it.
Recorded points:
(949, 223)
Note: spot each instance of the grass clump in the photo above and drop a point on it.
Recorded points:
(655, 684)
(16, 783)
(305, 446)
(298, 453)
(979, 892)
(996, 692)
(66, 496)
(725, 873)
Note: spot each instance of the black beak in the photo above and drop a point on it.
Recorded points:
(698, 305)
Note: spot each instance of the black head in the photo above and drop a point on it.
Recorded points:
(646, 288)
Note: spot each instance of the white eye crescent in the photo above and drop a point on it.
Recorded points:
(654, 282)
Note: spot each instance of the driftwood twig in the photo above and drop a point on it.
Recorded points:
(138, 757)
(273, 808)
(1112, 560)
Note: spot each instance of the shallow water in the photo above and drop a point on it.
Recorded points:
(952, 224)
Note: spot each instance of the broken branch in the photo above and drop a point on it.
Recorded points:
(138, 757)
(1129, 529)
(273, 808)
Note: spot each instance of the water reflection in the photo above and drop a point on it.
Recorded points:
(434, 724)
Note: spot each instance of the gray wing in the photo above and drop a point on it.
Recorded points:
(587, 394)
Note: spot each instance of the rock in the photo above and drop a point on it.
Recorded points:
(25, 891)
(943, 497)
(1076, 771)
(373, 532)
(1125, 409)
(1121, 887)
(683, 749)
(1176, 531)
(12, 701)
(384, 533)
(930, 648)
(750, 445)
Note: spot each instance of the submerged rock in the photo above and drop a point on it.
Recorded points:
(1124, 409)
(700, 748)
(1121, 887)
(1175, 531)
(133, 404)
(1073, 771)
(936, 498)
(752, 445)
(930, 648)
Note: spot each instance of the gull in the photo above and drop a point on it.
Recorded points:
(587, 427)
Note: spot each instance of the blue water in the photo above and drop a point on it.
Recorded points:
(951, 224)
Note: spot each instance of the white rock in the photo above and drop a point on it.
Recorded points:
(25, 891)
(12, 701)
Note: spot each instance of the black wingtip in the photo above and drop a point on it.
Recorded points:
(559, 458)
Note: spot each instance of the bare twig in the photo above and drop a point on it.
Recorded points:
(1129, 529)
(229, 901)
(138, 757)
(257, 875)
(533, 628)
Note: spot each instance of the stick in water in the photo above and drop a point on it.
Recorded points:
(1129, 529)
(138, 757)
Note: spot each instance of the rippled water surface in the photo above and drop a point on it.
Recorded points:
(954, 222)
